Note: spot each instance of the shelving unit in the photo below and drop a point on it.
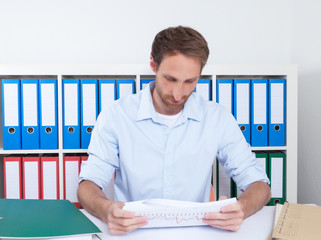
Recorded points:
(212, 71)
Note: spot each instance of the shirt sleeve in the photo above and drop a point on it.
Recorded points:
(103, 152)
(235, 155)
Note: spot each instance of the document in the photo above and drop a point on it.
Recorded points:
(298, 221)
(173, 213)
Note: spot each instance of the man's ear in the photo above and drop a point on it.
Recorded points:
(152, 64)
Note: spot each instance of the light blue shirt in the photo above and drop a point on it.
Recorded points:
(154, 161)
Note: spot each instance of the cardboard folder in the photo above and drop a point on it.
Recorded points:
(12, 177)
(298, 222)
(277, 118)
(31, 184)
(35, 219)
(277, 171)
(242, 106)
(71, 113)
(49, 177)
(11, 110)
(71, 172)
(88, 109)
(30, 114)
(48, 107)
(259, 110)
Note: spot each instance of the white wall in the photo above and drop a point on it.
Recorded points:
(100, 31)
(120, 32)
(306, 51)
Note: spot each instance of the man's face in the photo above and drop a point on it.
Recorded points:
(176, 78)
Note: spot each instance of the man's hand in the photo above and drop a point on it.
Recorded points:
(251, 200)
(229, 218)
(121, 221)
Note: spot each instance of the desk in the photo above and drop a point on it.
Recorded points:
(255, 227)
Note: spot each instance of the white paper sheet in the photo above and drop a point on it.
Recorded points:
(107, 95)
(256, 227)
(48, 110)
(71, 176)
(71, 104)
(259, 103)
(49, 179)
(225, 96)
(88, 104)
(31, 179)
(277, 177)
(172, 213)
(277, 103)
(243, 103)
(203, 90)
(11, 105)
(224, 182)
(12, 179)
(30, 101)
(125, 89)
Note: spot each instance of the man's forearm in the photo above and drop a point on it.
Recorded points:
(254, 198)
(92, 198)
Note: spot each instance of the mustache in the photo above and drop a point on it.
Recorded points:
(171, 97)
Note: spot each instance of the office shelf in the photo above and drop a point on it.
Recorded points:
(138, 71)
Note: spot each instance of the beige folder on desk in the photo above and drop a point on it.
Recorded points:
(297, 222)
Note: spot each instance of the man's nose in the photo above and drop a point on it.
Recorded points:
(178, 92)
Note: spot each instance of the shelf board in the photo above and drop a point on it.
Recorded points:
(35, 151)
(74, 150)
(280, 148)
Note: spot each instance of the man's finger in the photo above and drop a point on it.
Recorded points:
(116, 228)
(224, 216)
(120, 213)
(230, 224)
(231, 208)
(222, 198)
(125, 222)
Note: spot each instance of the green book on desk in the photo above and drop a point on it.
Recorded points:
(24, 218)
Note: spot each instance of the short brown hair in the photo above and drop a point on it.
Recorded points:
(184, 40)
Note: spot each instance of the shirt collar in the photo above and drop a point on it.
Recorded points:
(193, 108)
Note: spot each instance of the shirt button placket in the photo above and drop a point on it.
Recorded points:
(168, 167)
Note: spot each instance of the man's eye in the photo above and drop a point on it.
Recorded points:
(190, 81)
(170, 79)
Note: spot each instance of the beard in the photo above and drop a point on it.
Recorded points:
(169, 100)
